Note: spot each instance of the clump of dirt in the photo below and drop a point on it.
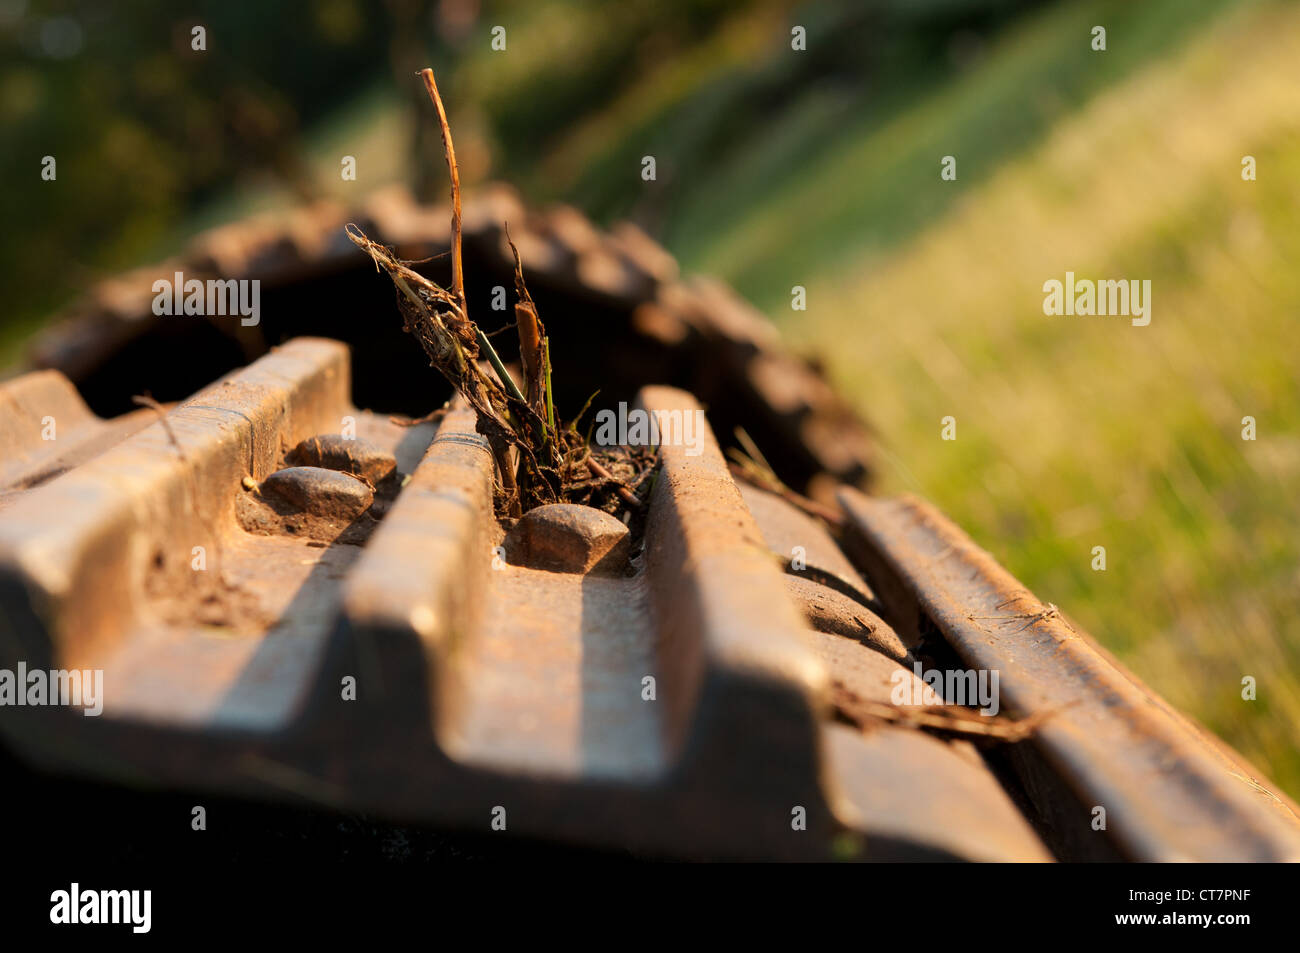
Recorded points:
(538, 460)
(619, 472)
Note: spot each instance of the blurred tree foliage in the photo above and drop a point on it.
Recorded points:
(142, 126)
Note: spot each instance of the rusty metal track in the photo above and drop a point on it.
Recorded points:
(1169, 793)
(680, 707)
(293, 598)
(47, 429)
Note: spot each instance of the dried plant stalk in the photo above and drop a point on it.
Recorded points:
(750, 465)
(453, 344)
(552, 465)
(948, 720)
(449, 150)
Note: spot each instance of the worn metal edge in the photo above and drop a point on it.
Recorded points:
(747, 693)
(412, 594)
(73, 550)
(1169, 795)
(761, 692)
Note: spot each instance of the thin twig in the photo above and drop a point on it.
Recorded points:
(457, 264)
(943, 719)
(457, 255)
(751, 466)
(430, 417)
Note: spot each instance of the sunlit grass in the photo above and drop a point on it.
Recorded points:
(867, 179)
(1076, 432)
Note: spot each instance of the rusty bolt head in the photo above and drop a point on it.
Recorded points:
(566, 537)
(326, 493)
(335, 452)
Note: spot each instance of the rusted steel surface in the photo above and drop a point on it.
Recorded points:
(803, 546)
(677, 691)
(47, 429)
(1109, 742)
(826, 610)
(136, 563)
(537, 680)
(918, 788)
(674, 704)
(294, 598)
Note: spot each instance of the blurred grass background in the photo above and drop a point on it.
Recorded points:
(821, 168)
